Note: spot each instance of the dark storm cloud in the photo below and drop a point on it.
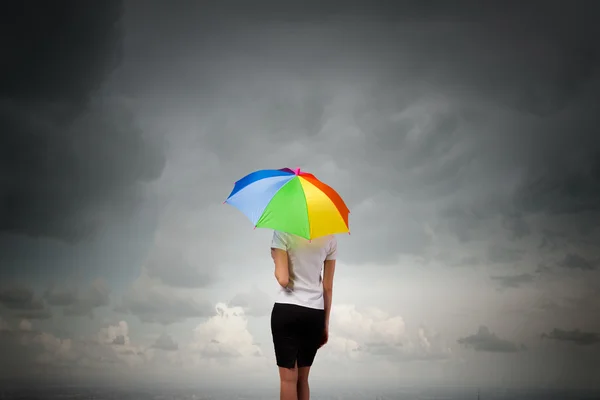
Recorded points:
(575, 336)
(97, 295)
(21, 302)
(537, 68)
(460, 119)
(453, 113)
(541, 72)
(79, 302)
(68, 162)
(170, 266)
(20, 298)
(162, 307)
(513, 281)
(60, 297)
(575, 261)
(551, 240)
(484, 340)
(33, 314)
(499, 254)
(517, 226)
(578, 229)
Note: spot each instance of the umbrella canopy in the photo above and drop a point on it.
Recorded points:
(290, 201)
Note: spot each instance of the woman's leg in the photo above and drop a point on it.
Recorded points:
(313, 327)
(288, 383)
(286, 343)
(302, 385)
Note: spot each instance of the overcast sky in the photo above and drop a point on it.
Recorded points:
(463, 139)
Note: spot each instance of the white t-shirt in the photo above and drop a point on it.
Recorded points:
(305, 260)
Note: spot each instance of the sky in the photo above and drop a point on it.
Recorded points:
(461, 137)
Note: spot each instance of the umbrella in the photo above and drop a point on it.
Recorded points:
(290, 201)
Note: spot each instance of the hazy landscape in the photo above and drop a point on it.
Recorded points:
(105, 393)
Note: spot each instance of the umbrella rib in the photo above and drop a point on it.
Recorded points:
(307, 213)
(285, 210)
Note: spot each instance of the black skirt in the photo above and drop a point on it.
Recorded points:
(297, 334)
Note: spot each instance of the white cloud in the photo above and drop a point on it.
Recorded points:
(368, 326)
(225, 335)
(36, 351)
(115, 334)
(358, 333)
(222, 344)
(116, 337)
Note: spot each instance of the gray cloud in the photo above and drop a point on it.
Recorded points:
(60, 297)
(382, 349)
(586, 300)
(17, 358)
(33, 314)
(575, 261)
(513, 281)
(27, 352)
(255, 302)
(575, 336)
(155, 304)
(466, 261)
(20, 298)
(119, 340)
(63, 174)
(96, 296)
(517, 226)
(79, 302)
(166, 343)
(484, 340)
(21, 302)
(451, 136)
(458, 134)
(170, 266)
(564, 191)
(503, 255)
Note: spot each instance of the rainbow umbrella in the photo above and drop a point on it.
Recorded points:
(290, 201)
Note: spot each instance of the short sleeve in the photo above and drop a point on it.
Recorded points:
(279, 241)
(332, 252)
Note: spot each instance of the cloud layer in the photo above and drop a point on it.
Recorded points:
(462, 137)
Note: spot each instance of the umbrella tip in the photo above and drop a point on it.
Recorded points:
(297, 171)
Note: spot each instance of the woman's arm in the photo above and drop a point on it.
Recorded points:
(328, 272)
(282, 272)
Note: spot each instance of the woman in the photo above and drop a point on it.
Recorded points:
(300, 316)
